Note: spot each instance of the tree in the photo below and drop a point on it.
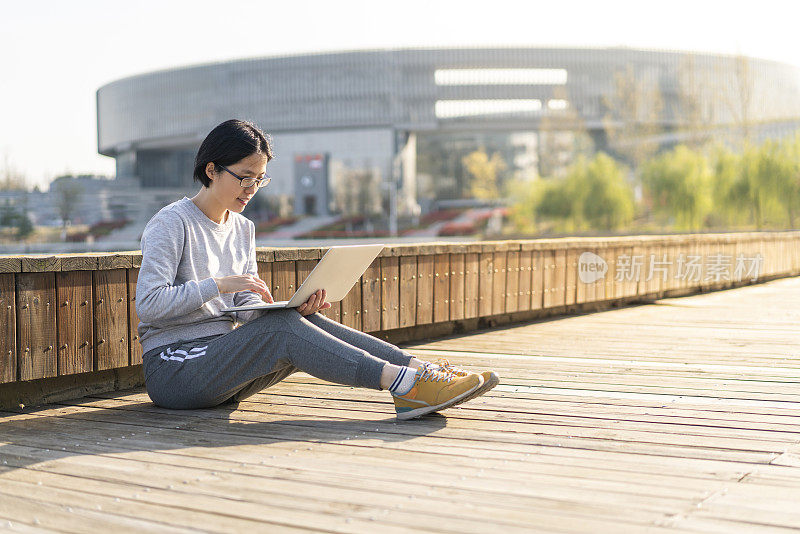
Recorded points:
(736, 92)
(679, 183)
(695, 111)
(633, 115)
(11, 179)
(484, 171)
(594, 195)
(562, 135)
(67, 198)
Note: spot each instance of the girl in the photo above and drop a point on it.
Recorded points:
(198, 257)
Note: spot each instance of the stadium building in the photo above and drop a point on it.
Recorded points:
(357, 132)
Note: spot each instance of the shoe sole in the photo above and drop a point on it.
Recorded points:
(487, 385)
(417, 412)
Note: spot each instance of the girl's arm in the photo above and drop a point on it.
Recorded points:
(157, 299)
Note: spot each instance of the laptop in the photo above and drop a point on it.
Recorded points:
(336, 273)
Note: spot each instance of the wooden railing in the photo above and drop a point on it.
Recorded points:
(68, 315)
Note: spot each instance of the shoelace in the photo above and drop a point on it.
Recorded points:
(446, 366)
(432, 375)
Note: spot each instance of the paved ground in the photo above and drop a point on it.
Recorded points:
(681, 416)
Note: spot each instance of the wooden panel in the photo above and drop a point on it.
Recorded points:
(512, 281)
(8, 332)
(283, 279)
(549, 278)
(525, 279)
(110, 290)
(537, 280)
(571, 286)
(426, 269)
(134, 346)
(499, 289)
(471, 284)
(408, 291)
(390, 293)
(371, 297)
(560, 285)
(608, 254)
(457, 286)
(351, 307)
(74, 316)
(265, 273)
(36, 319)
(441, 288)
(485, 284)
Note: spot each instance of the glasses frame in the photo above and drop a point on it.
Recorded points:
(258, 182)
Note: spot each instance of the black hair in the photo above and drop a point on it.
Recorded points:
(229, 142)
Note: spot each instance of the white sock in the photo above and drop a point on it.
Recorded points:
(404, 381)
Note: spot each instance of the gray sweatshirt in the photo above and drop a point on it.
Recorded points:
(182, 250)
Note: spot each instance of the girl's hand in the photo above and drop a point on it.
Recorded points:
(314, 303)
(244, 282)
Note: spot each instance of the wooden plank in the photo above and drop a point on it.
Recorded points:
(284, 279)
(560, 285)
(512, 281)
(441, 288)
(471, 284)
(571, 286)
(134, 345)
(537, 280)
(426, 269)
(74, 322)
(485, 283)
(408, 291)
(8, 329)
(264, 270)
(110, 318)
(390, 293)
(371, 297)
(550, 288)
(457, 286)
(351, 307)
(499, 288)
(36, 318)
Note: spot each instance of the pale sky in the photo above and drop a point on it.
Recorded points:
(55, 54)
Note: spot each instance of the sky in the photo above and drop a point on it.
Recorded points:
(54, 55)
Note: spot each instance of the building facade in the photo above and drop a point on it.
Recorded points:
(400, 121)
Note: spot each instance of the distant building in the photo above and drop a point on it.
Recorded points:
(406, 118)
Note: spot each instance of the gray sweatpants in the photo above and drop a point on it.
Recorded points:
(211, 370)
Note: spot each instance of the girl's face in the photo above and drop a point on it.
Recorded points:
(226, 188)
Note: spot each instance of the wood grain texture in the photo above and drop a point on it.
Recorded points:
(457, 286)
(371, 297)
(110, 319)
(426, 269)
(441, 288)
(408, 291)
(390, 293)
(74, 322)
(8, 329)
(134, 345)
(36, 316)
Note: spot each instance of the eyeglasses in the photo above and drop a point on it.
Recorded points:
(248, 182)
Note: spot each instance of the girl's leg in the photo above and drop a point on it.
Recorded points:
(376, 347)
(279, 342)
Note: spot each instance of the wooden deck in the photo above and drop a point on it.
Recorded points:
(679, 416)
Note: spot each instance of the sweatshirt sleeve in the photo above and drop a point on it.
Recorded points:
(248, 297)
(157, 296)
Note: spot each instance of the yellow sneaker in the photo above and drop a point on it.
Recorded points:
(433, 391)
(490, 378)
